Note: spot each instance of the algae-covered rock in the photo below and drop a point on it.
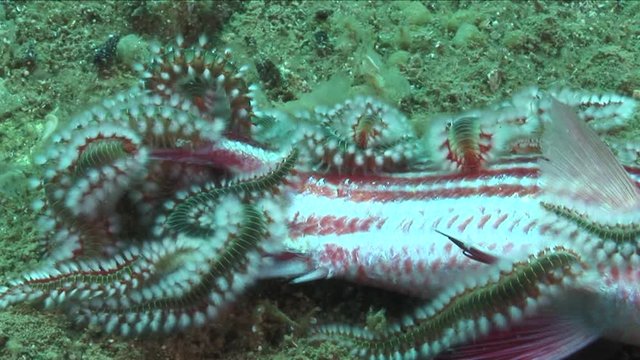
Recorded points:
(414, 12)
(9, 102)
(132, 49)
(381, 79)
(468, 35)
(515, 39)
(399, 58)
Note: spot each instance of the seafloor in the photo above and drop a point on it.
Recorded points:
(427, 57)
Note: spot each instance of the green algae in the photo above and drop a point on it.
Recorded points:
(583, 45)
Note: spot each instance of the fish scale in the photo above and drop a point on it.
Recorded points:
(392, 240)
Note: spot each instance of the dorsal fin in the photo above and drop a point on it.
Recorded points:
(578, 166)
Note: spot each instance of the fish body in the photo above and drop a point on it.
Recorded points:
(560, 222)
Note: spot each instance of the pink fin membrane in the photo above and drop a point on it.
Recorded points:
(212, 155)
(544, 337)
(579, 166)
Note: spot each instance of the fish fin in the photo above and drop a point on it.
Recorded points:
(470, 251)
(296, 267)
(544, 337)
(578, 168)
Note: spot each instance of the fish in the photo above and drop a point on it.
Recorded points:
(528, 214)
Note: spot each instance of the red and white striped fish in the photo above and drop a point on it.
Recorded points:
(499, 186)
